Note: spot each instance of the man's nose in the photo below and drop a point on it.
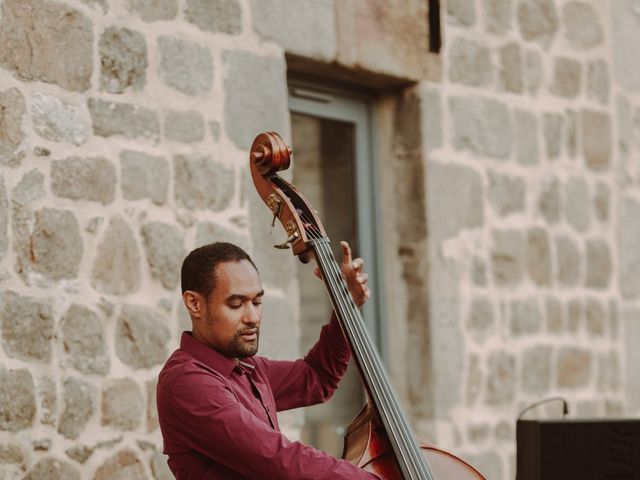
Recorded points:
(254, 314)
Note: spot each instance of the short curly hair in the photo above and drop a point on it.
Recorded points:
(198, 272)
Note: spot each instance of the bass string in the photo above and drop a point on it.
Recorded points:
(371, 361)
(387, 403)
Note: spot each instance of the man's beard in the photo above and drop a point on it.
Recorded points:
(239, 348)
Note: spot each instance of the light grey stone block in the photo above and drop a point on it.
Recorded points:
(214, 127)
(47, 394)
(92, 178)
(14, 460)
(596, 139)
(602, 202)
(55, 246)
(311, 28)
(83, 339)
(470, 63)
(599, 264)
(628, 234)
(457, 190)
(534, 71)
(527, 152)
(479, 272)
(461, 12)
(17, 400)
(201, 183)
(507, 194)
(4, 219)
(165, 250)
(568, 260)
(595, 317)
(609, 372)
(58, 121)
(538, 21)
(567, 77)
(101, 5)
(482, 126)
(625, 31)
(79, 453)
(216, 15)
(185, 66)
(582, 25)
(575, 366)
(153, 10)
(598, 84)
(554, 315)
(511, 69)
(475, 380)
(256, 96)
(185, 127)
(116, 269)
(13, 107)
(553, 124)
(631, 318)
(578, 203)
(122, 404)
(575, 315)
(508, 254)
(431, 118)
(124, 464)
(481, 321)
(571, 133)
(123, 60)
(141, 337)
(53, 468)
(144, 176)
(498, 15)
(526, 318)
(127, 120)
(501, 378)
(36, 43)
(539, 256)
(535, 370)
(78, 407)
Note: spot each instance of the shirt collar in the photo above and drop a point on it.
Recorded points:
(211, 357)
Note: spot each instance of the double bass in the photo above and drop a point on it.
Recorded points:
(379, 439)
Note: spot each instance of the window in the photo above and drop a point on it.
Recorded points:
(333, 167)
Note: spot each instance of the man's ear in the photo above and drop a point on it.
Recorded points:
(194, 303)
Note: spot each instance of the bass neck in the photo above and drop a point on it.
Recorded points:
(372, 372)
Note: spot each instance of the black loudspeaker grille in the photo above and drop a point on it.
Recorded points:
(578, 449)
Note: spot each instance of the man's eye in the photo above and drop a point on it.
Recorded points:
(257, 301)
(235, 306)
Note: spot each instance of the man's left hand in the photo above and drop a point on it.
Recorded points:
(353, 273)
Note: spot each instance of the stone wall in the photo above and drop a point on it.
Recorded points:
(509, 190)
(124, 128)
(530, 142)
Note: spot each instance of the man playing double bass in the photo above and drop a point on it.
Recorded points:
(217, 400)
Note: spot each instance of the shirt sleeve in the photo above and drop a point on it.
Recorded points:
(213, 423)
(314, 378)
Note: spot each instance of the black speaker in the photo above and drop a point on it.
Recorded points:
(578, 449)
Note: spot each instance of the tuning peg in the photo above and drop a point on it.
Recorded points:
(284, 245)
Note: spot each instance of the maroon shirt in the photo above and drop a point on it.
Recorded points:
(218, 417)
